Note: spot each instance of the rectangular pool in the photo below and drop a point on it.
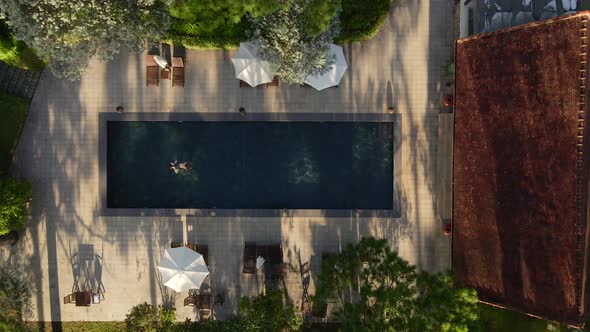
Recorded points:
(250, 165)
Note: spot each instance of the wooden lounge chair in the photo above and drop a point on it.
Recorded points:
(204, 315)
(70, 298)
(153, 47)
(319, 309)
(202, 249)
(167, 55)
(249, 258)
(190, 300)
(178, 71)
(204, 301)
(275, 258)
(83, 299)
(152, 71)
(274, 82)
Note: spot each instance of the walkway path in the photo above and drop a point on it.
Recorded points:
(19, 82)
(402, 66)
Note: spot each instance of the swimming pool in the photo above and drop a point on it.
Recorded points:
(250, 165)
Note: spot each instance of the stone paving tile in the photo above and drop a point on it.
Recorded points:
(59, 152)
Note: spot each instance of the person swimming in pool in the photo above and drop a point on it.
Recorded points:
(176, 166)
(185, 166)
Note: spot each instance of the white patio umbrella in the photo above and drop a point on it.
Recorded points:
(160, 61)
(182, 269)
(333, 76)
(249, 68)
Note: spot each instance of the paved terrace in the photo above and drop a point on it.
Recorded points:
(68, 236)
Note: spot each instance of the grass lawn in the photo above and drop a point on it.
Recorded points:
(17, 53)
(500, 320)
(77, 326)
(12, 112)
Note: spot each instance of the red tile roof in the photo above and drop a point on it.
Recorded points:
(521, 166)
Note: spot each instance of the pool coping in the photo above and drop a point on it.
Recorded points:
(395, 118)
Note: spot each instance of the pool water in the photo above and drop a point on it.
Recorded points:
(250, 165)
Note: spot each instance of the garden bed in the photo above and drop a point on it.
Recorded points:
(13, 112)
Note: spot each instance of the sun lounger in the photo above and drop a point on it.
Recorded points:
(319, 309)
(152, 71)
(250, 257)
(177, 71)
(202, 249)
(275, 259)
(167, 55)
(70, 298)
(190, 300)
(200, 301)
(153, 47)
(204, 301)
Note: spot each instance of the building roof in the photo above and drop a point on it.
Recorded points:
(521, 167)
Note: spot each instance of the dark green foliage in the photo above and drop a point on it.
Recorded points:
(14, 195)
(13, 112)
(226, 36)
(17, 53)
(319, 14)
(267, 312)
(222, 24)
(379, 291)
(149, 318)
(208, 16)
(361, 19)
(15, 300)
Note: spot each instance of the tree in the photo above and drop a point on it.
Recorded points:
(285, 43)
(149, 318)
(379, 291)
(209, 15)
(14, 196)
(15, 300)
(267, 312)
(68, 33)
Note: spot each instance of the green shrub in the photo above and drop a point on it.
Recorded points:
(145, 317)
(267, 312)
(361, 19)
(13, 198)
(15, 300)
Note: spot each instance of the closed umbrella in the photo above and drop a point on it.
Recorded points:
(182, 269)
(333, 76)
(249, 68)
